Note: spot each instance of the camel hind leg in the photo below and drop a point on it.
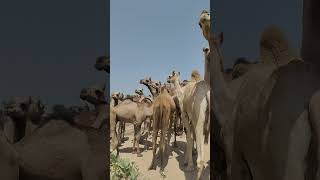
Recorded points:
(188, 153)
(154, 147)
(199, 136)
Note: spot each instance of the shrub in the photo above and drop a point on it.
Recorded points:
(123, 169)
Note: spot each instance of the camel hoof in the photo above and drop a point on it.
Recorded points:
(139, 155)
(152, 167)
(134, 152)
(189, 168)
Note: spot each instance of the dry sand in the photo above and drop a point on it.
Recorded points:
(174, 169)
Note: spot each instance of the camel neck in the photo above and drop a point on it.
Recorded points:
(152, 90)
(102, 111)
(177, 86)
(207, 70)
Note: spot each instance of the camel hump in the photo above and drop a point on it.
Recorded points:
(273, 37)
(195, 75)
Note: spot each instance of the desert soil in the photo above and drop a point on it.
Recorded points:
(174, 168)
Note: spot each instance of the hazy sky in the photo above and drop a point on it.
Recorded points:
(243, 21)
(48, 48)
(152, 38)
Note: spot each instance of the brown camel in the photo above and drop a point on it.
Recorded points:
(38, 151)
(267, 99)
(130, 112)
(163, 109)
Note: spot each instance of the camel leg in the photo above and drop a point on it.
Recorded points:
(188, 153)
(175, 132)
(138, 135)
(134, 140)
(162, 148)
(113, 124)
(154, 147)
(148, 133)
(199, 136)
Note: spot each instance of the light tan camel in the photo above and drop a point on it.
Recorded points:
(204, 24)
(195, 116)
(163, 108)
(130, 112)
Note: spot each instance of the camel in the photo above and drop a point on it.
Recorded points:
(195, 117)
(99, 91)
(163, 108)
(246, 112)
(153, 86)
(103, 64)
(39, 157)
(130, 112)
(139, 92)
(28, 107)
(204, 24)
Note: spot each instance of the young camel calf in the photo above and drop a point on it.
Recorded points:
(163, 109)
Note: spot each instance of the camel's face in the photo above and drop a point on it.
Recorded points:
(174, 77)
(21, 107)
(146, 81)
(94, 95)
(117, 96)
(103, 63)
(157, 84)
(204, 19)
(139, 91)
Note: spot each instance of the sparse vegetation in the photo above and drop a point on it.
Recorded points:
(123, 169)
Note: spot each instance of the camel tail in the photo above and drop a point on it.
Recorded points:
(312, 164)
(206, 126)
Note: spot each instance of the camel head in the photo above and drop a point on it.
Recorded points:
(146, 81)
(103, 64)
(24, 107)
(204, 23)
(117, 96)
(157, 84)
(139, 91)
(94, 95)
(174, 77)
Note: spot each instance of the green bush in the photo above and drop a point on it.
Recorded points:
(121, 169)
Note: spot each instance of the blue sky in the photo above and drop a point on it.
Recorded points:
(152, 38)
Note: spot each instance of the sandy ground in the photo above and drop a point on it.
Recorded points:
(174, 169)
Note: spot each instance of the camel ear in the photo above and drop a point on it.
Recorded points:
(221, 38)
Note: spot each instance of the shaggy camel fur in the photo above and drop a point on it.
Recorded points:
(163, 109)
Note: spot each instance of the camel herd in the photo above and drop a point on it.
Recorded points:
(263, 116)
(37, 144)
